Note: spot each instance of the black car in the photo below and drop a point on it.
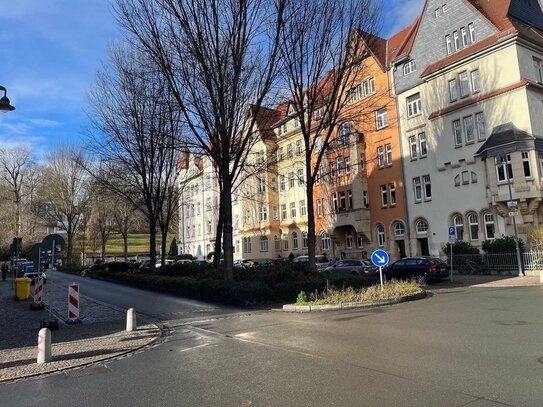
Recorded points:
(423, 269)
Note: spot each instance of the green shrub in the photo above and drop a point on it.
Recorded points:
(505, 244)
(460, 247)
(302, 298)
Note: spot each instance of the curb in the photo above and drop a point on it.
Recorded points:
(352, 305)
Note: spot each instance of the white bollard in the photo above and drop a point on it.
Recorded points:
(541, 277)
(130, 320)
(44, 346)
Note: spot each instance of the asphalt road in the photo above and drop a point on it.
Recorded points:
(459, 347)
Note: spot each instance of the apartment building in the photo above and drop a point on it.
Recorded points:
(468, 80)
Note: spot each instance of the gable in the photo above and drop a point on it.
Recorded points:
(430, 40)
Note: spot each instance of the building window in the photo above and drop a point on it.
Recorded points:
(381, 118)
(380, 157)
(417, 189)
(475, 82)
(247, 245)
(366, 198)
(299, 147)
(347, 165)
(362, 161)
(468, 129)
(449, 44)
(399, 229)
(392, 191)
(464, 84)
(281, 154)
(423, 145)
(380, 229)
(342, 203)
(409, 67)
(489, 225)
(414, 106)
(293, 209)
(349, 239)
(540, 159)
(294, 237)
(456, 40)
(384, 199)
(263, 213)
(291, 178)
(427, 187)
(275, 213)
(332, 170)
(537, 69)
(473, 227)
(325, 241)
(339, 162)
(208, 226)
(388, 150)
(319, 207)
(413, 147)
(481, 128)
(289, 151)
(283, 211)
(453, 90)
(471, 33)
(261, 184)
(282, 183)
(350, 199)
(360, 240)
(301, 178)
(500, 164)
(464, 34)
(274, 184)
(458, 224)
(263, 243)
(247, 216)
(285, 242)
(344, 134)
(457, 131)
(334, 201)
(303, 210)
(304, 240)
(465, 177)
(444, 8)
(526, 164)
(473, 178)
(421, 227)
(276, 243)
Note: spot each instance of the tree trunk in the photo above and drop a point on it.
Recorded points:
(311, 237)
(152, 244)
(125, 240)
(218, 235)
(69, 246)
(163, 248)
(103, 248)
(228, 241)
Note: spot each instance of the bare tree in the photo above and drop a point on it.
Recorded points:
(322, 44)
(219, 60)
(123, 221)
(101, 214)
(64, 191)
(138, 130)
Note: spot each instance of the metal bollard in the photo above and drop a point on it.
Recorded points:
(130, 320)
(44, 346)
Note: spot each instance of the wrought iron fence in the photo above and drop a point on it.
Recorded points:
(497, 263)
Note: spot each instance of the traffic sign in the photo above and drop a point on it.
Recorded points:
(379, 258)
(452, 232)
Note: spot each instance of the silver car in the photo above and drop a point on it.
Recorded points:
(354, 267)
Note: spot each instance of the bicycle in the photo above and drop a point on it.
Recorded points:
(476, 267)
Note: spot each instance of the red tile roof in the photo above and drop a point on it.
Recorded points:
(400, 44)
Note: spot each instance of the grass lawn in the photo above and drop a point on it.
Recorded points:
(137, 244)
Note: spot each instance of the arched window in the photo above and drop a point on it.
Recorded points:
(263, 243)
(325, 241)
(473, 226)
(294, 237)
(380, 231)
(489, 225)
(458, 223)
(285, 242)
(421, 227)
(399, 229)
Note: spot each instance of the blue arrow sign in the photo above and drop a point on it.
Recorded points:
(379, 258)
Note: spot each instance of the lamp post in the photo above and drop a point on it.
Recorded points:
(503, 159)
(5, 106)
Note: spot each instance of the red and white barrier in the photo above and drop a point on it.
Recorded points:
(38, 290)
(73, 302)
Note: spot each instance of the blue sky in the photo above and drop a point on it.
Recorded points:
(51, 50)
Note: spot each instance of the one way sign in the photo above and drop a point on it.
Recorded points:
(379, 258)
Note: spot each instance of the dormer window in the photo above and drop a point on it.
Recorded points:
(471, 32)
(291, 110)
(409, 67)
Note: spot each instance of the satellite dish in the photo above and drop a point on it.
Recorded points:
(54, 239)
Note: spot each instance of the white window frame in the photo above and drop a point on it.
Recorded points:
(475, 81)
(488, 219)
(527, 169)
(384, 196)
(469, 129)
(473, 222)
(413, 147)
(264, 247)
(342, 200)
(417, 189)
(456, 39)
(427, 187)
(448, 43)
(457, 132)
(294, 238)
(464, 35)
(501, 174)
(423, 145)
(399, 229)
(284, 212)
(380, 157)
(453, 90)
(349, 239)
(480, 125)
(409, 66)
(366, 198)
(299, 147)
(392, 193)
(293, 210)
(458, 224)
(275, 213)
(282, 183)
(380, 231)
(319, 207)
(339, 166)
(347, 165)
(301, 176)
(421, 227)
(388, 154)
(303, 208)
(471, 33)
(263, 213)
(291, 180)
(414, 105)
(285, 242)
(350, 198)
(463, 81)
(305, 240)
(325, 241)
(381, 118)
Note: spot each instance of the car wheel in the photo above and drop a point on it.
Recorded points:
(421, 279)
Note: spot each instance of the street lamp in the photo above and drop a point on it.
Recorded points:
(503, 162)
(4, 101)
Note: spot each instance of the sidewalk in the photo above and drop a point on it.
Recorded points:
(100, 336)
(485, 281)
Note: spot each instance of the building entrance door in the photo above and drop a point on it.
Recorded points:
(423, 246)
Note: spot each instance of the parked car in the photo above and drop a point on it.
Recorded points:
(243, 264)
(34, 275)
(263, 262)
(200, 262)
(423, 269)
(355, 267)
(320, 261)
